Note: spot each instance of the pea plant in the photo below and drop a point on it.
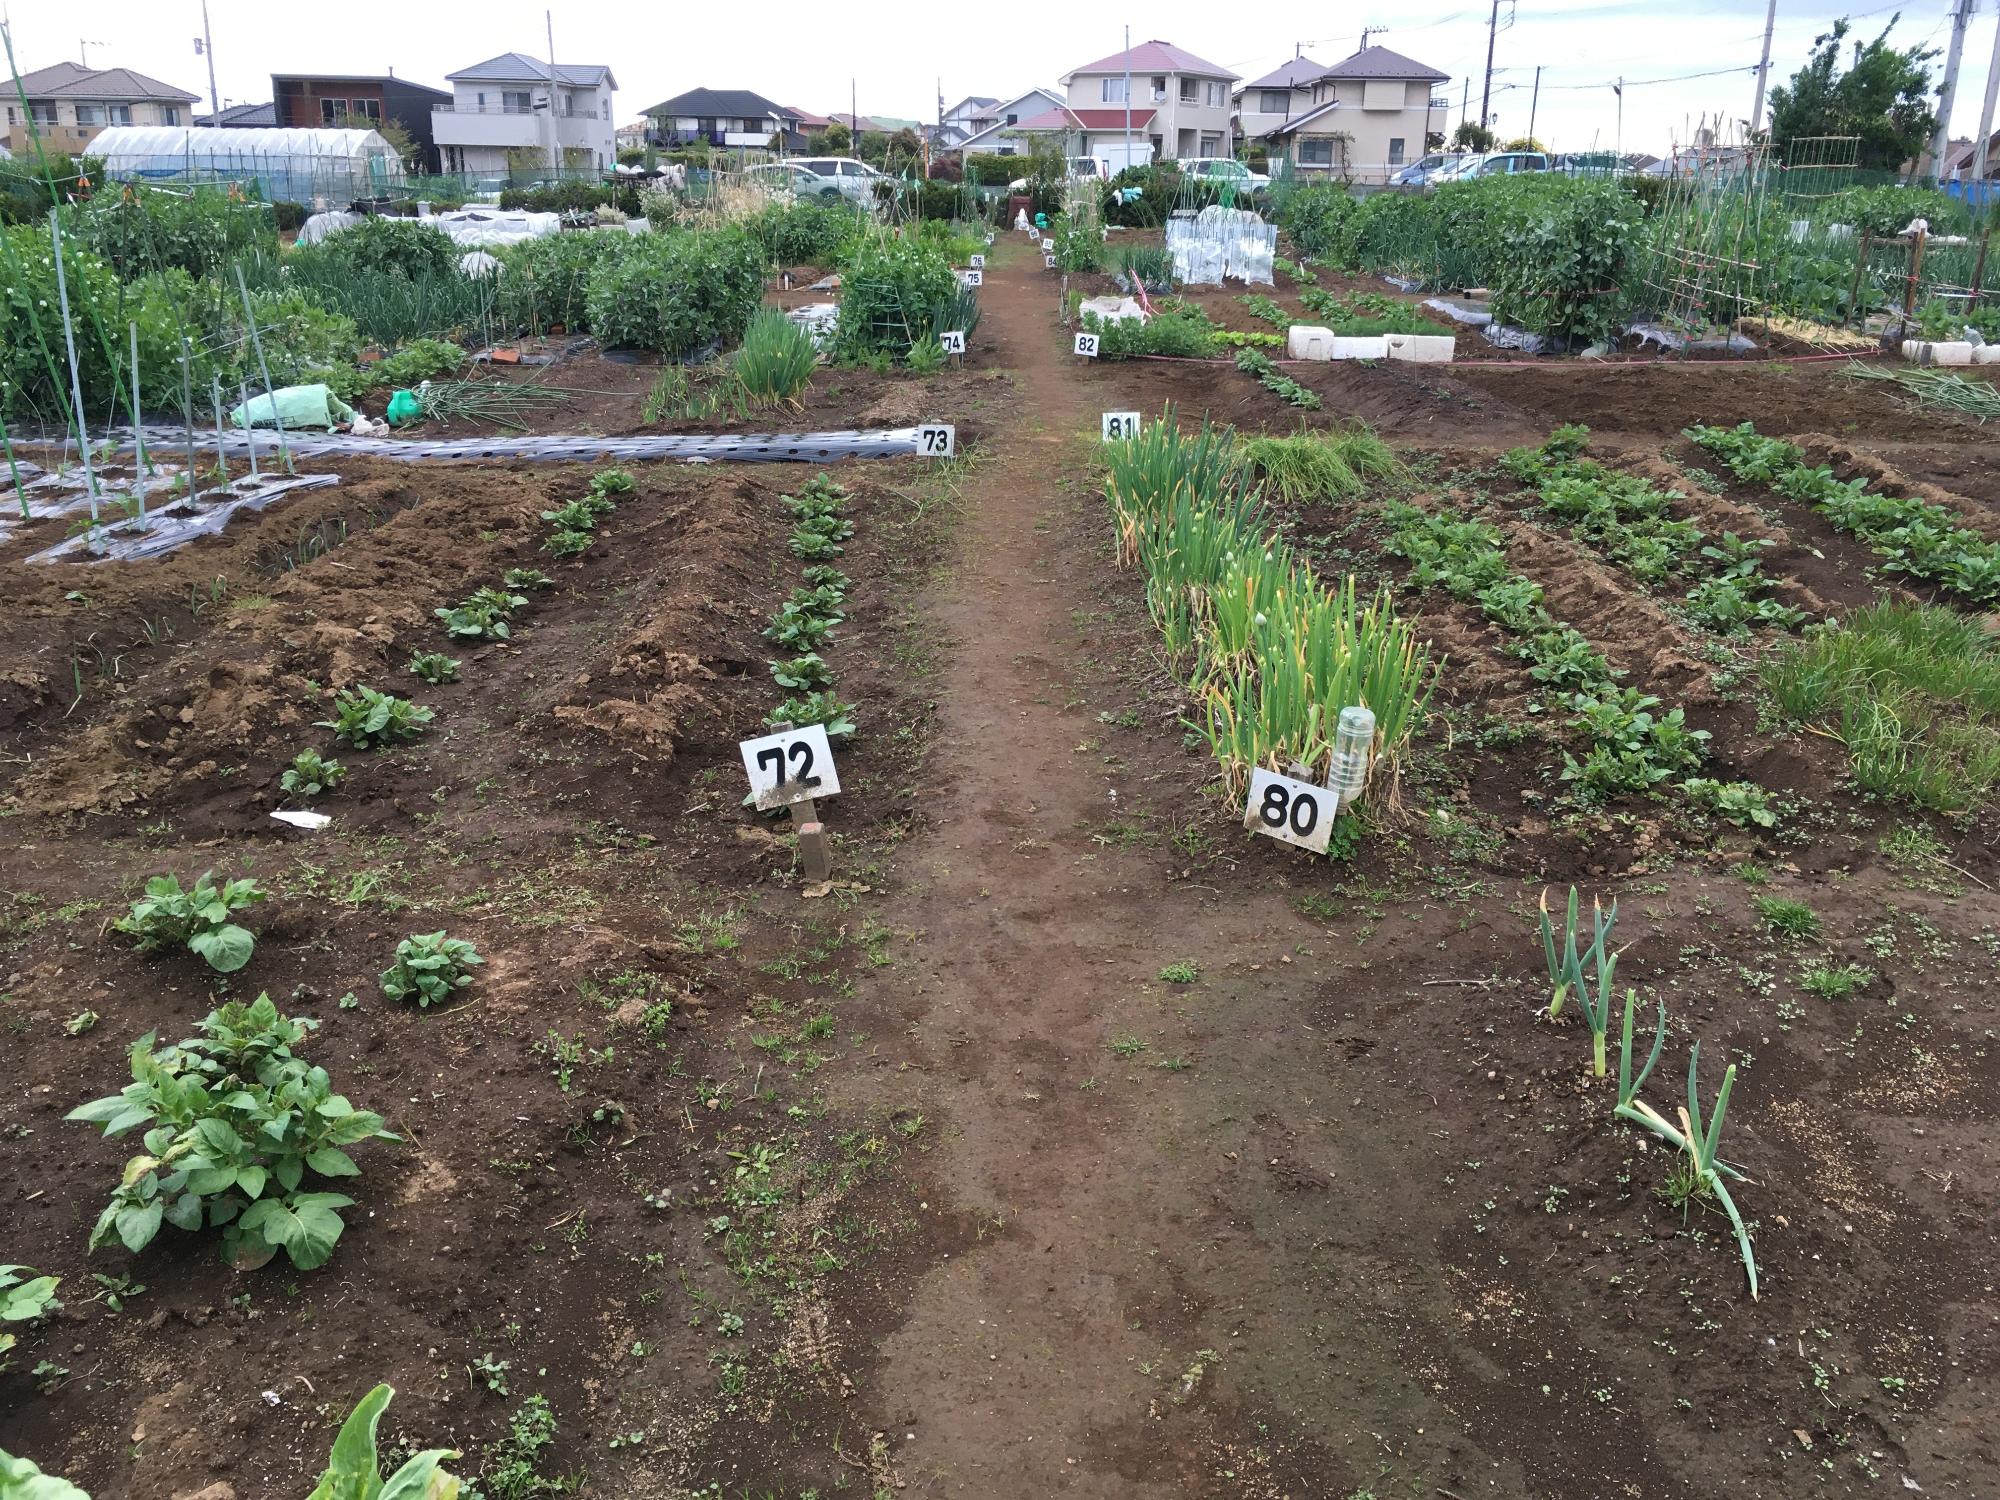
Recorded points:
(234, 1122)
(429, 966)
(371, 720)
(196, 918)
(309, 774)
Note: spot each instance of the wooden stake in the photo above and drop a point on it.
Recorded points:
(1860, 266)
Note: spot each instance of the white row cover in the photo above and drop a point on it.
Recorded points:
(164, 150)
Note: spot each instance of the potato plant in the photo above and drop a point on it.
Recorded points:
(309, 774)
(485, 614)
(526, 578)
(234, 1122)
(371, 720)
(24, 1298)
(816, 708)
(428, 967)
(434, 666)
(196, 918)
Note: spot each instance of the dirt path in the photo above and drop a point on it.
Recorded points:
(1076, 1349)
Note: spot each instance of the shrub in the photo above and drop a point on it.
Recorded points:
(1563, 251)
(369, 720)
(197, 919)
(428, 967)
(289, 216)
(677, 293)
(545, 282)
(1888, 209)
(1313, 217)
(309, 774)
(234, 1122)
(994, 170)
(401, 247)
(810, 232)
(199, 231)
(892, 294)
(777, 357)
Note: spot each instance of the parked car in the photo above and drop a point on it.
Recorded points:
(853, 179)
(1420, 171)
(1221, 169)
(790, 177)
(1491, 164)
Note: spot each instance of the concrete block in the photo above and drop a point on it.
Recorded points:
(1986, 354)
(1926, 352)
(1422, 348)
(1308, 341)
(1368, 348)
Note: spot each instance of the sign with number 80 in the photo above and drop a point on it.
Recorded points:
(1293, 812)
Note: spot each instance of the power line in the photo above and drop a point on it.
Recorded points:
(1633, 83)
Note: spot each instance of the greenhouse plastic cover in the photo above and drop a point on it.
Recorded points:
(1221, 242)
(168, 149)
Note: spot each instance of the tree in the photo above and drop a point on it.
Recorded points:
(832, 141)
(400, 140)
(1524, 143)
(1884, 98)
(1472, 136)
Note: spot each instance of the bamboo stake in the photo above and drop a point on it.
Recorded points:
(14, 472)
(215, 397)
(257, 343)
(138, 433)
(75, 381)
(187, 411)
(249, 427)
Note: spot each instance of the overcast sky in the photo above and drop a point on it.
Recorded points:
(899, 55)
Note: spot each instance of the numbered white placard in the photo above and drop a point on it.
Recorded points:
(974, 277)
(978, 262)
(1047, 244)
(1293, 812)
(937, 439)
(790, 766)
(1086, 345)
(1119, 425)
(1049, 261)
(953, 342)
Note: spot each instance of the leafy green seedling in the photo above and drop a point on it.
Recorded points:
(311, 773)
(434, 666)
(1789, 919)
(353, 1472)
(803, 674)
(816, 708)
(1566, 964)
(527, 578)
(428, 967)
(197, 919)
(369, 720)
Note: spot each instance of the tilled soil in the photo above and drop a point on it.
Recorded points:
(1076, 1142)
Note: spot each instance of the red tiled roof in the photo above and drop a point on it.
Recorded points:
(1086, 119)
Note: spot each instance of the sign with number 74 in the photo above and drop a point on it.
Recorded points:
(793, 765)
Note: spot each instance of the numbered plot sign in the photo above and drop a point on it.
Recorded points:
(938, 439)
(790, 766)
(953, 343)
(978, 262)
(974, 277)
(1049, 261)
(1086, 345)
(1119, 425)
(1295, 812)
(1047, 245)
(989, 239)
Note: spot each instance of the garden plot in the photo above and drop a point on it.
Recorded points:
(518, 699)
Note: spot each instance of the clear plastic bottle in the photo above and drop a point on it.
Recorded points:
(1353, 745)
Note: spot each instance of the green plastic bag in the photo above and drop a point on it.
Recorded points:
(404, 409)
(300, 407)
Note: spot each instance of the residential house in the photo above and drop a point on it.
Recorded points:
(808, 121)
(1369, 118)
(1179, 102)
(723, 117)
(1263, 104)
(310, 101)
(514, 106)
(632, 137)
(242, 117)
(963, 119)
(68, 105)
(992, 124)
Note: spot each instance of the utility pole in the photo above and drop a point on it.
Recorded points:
(1486, 94)
(1619, 89)
(1961, 17)
(1986, 113)
(555, 131)
(1763, 67)
(1464, 101)
(1534, 101)
(1128, 100)
(214, 100)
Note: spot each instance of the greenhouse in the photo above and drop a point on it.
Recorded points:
(303, 166)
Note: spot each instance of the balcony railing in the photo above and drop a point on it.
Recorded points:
(566, 112)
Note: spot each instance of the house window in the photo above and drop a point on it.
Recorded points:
(331, 110)
(1159, 86)
(90, 114)
(121, 114)
(1395, 150)
(368, 109)
(42, 114)
(1211, 145)
(1190, 91)
(1218, 95)
(1316, 150)
(1114, 91)
(1012, 119)
(1274, 102)
(516, 101)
